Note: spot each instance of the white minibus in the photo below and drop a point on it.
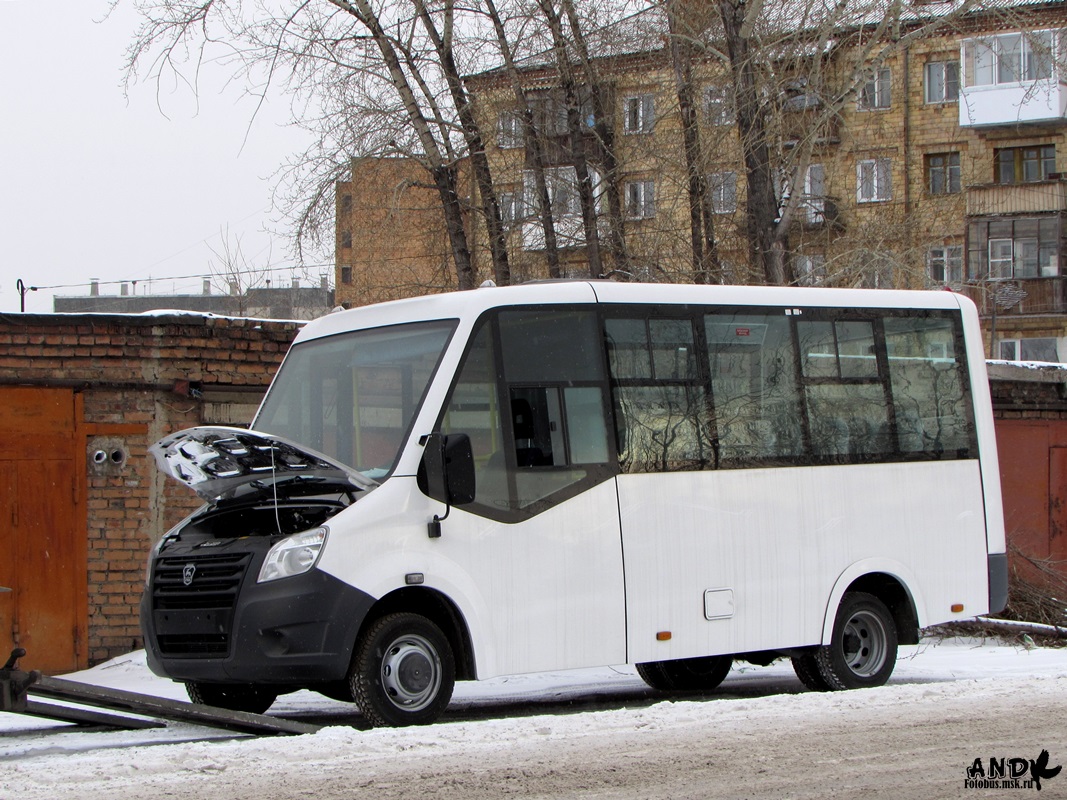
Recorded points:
(583, 473)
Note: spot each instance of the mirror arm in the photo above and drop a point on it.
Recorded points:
(433, 528)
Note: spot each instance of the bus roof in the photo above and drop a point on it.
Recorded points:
(469, 304)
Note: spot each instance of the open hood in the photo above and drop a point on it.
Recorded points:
(215, 461)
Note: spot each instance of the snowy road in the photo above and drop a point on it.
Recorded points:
(948, 705)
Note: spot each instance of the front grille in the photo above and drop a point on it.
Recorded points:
(214, 580)
(194, 645)
(193, 597)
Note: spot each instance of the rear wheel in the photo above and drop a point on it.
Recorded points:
(686, 674)
(863, 649)
(807, 670)
(403, 671)
(233, 696)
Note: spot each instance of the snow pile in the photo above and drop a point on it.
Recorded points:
(937, 680)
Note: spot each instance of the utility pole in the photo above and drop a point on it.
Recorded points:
(22, 290)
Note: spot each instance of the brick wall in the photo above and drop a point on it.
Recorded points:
(137, 378)
(1030, 407)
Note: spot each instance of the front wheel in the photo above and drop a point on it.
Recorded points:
(232, 696)
(863, 649)
(686, 674)
(403, 671)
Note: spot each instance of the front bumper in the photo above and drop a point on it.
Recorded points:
(296, 631)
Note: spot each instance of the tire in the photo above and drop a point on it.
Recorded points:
(233, 696)
(863, 649)
(686, 674)
(403, 671)
(808, 671)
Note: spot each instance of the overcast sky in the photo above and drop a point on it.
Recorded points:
(97, 185)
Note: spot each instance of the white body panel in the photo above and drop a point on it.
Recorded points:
(538, 595)
(782, 544)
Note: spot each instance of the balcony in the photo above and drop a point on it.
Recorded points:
(1013, 104)
(1019, 297)
(1017, 198)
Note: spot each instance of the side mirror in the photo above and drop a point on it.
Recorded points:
(447, 470)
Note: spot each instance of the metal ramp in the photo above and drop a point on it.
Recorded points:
(21, 691)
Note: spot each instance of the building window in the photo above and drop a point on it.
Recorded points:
(640, 199)
(874, 181)
(639, 112)
(346, 275)
(1024, 164)
(563, 197)
(511, 210)
(723, 187)
(1008, 58)
(346, 239)
(810, 270)
(945, 264)
(813, 202)
(942, 81)
(1035, 349)
(876, 91)
(1013, 248)
(509, 130)
(719, 105)
(943, 173)
(346, 203)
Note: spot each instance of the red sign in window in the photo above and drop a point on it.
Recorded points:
(742, 331)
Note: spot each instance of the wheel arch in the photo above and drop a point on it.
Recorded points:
(890, 583)
(437, 608)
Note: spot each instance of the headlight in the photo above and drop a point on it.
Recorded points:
(157, 548)
(293, 555)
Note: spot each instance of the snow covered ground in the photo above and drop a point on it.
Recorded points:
(497, 739)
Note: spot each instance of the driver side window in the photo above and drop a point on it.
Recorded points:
(532, 399)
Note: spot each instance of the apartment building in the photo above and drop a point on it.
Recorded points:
(937, 160)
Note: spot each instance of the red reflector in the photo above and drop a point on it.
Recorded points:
(663, 636)
(957, 608)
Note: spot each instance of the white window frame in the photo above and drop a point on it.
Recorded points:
(814, 199)
(1017, 345)
(723, 189)
(1001, 259)
(719, 105)
(560, 181)
(509, 133)
(937, 86)
(1010, 58)
(638, 113)
(874, 180)
(810, 269)
(511, 207)
(877, 93)
(944, 264)
(640, 199)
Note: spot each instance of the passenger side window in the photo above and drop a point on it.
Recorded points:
(754, 388)
(843, 389)
(930, 401)
(658, 392)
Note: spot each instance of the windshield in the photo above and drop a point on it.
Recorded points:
(353, 397)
